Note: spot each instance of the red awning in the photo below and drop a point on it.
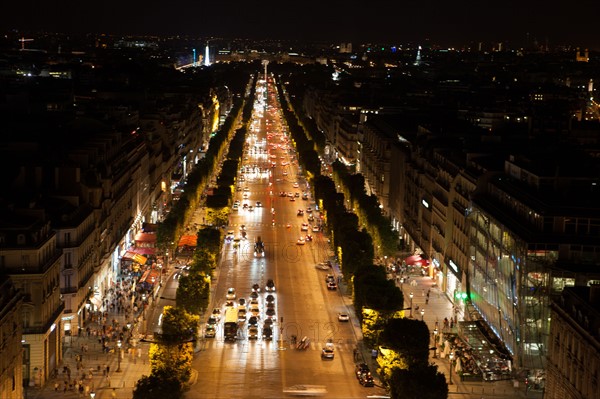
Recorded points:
(416, 260)
(188, 240)
(143, 250)
(145, 237)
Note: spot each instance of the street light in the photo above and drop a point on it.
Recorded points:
(119, 356)
(435, 333)
(451, 356)
(422, 314)
(411, 297)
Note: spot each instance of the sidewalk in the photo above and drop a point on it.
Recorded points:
(437, 308)
(92, 373)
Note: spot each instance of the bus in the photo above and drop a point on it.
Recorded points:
(230, 325)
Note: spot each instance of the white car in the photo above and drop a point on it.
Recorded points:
(304, 227)
(343, 317)
(300, 241)
(315, 229)
(230, 294)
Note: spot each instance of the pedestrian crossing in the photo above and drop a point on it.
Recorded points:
(219, 343)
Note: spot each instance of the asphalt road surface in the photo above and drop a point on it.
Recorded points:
(304, 307)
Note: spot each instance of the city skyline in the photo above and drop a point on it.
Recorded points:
(447, 24)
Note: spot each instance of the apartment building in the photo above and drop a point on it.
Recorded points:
(11, 349)
(574, 345)
(32, 260)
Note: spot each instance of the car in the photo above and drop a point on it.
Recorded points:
(235, 207)
(361, 368)
(267, 332)
(250, 208)
(212, 320)
(292, 199)
(305, 196)
(253, 320)
(252, 332)
(270, 298)
(242, 313)
(270, 287)
(304, 227)
(300, 241)
(217, 313)
(245, 206)
(246, 189)
(230, 294)
(290, 194)
(343, 317)
(366, 380)
(228, 304)
(210, 331)
(253, 301)
(246, 195)
(254, 310)
(327, 354)
(311, 218)
(258, 204)
(295, 185)
(284, 173)
(308, 238)
(297, 195)
(329, 278)
(270, 312)
(309, 210)
(242, 301)
(322, 266)
(300, 212)
(331, 286)
(270, 305)
(306, 390)
(256, 287)
(316, 229)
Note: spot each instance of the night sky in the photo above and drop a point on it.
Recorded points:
(448, 23)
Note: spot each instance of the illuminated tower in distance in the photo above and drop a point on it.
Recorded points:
(206, 56)
(194, 59)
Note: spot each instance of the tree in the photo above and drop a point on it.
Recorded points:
(158, 385)
(409, 338)
(192, 293)
(423, 382)
(174, 349)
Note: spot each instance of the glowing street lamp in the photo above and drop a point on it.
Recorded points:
(422, 314)
(451, 356)
(435, 333)
(119, 356)
(411, 308)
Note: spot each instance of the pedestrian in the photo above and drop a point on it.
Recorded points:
(65, 387)
(427, 300)
(108, 381)
(428, 292)
(56, 386)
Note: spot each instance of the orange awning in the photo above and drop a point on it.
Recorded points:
(188, 240)
(129, 255)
